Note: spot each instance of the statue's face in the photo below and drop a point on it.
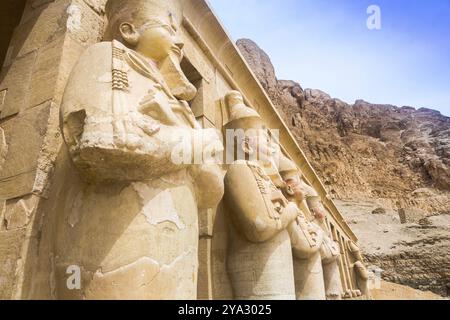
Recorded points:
(319, 212)
(157, 42)
(260, 146)
(235, 98)
(294, 184)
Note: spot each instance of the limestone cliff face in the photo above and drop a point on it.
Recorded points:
(401, 155)
(396, 158)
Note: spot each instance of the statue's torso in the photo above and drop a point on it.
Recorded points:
(264, 269)
(131, 223)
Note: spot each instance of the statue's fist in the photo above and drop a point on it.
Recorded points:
(290, 213)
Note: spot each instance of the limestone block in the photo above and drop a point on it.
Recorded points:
(411, 215)
(18, 213)
(197, 57)
(45, 73)
(18, 172)
(47, 23)
(10, 247)
(38, 3)
(42, 25)
(15, 82)
(53, 66)
(39, 76)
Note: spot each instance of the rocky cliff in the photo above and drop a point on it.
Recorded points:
(387, 167)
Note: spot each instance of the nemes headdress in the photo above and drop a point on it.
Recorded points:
(239, 115)
(287, 168)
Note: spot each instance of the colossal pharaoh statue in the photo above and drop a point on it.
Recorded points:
(316, 255)
(259, 258)
(130, 223)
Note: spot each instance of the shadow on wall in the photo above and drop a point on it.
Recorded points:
(10, 14)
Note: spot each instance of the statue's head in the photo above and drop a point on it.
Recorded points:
(246, 125)
(291, 176)
(316, 206)
(148, 26)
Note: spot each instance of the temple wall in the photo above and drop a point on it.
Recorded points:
(44, 47)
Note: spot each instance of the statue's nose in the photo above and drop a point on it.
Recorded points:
(179, 44)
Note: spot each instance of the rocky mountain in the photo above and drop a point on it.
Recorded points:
(387, 167)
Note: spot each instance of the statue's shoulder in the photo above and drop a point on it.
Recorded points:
(97, 55)
(247, 166)
(249, 176)
(95, 60)
(239, 171)
(89, 85)
(101, 47)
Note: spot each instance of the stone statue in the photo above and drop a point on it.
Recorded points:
(317, 275)
(360, 271)
(259, 258)
(306, 239)
(131, 223)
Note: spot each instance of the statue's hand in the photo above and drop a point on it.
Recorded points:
(319, 214)
(289, 214)
(156, 106)
(145, 123)
(299, 195)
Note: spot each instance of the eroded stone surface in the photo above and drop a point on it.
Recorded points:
(17, 214)
(18, 173)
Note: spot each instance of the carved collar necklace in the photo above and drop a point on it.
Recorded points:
(144, 67)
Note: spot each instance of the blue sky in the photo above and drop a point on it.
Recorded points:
(325, 44)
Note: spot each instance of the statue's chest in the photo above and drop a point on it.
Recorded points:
(141, 88)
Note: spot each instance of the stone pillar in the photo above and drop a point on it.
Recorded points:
(204, 284)
(46, 44)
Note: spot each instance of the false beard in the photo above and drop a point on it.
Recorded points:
(175, 78)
